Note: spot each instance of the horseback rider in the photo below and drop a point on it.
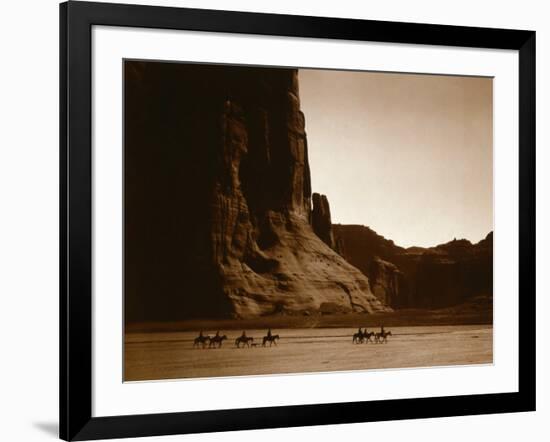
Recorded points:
(217, 333)
(382, 330)
(243, 335)
(200, 334)
(367, 335)
(269, 333)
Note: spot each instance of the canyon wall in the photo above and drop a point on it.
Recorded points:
(219, 220)
(445, 275)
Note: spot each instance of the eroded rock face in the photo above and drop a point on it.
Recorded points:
(387, 281)
(219, 213)
(452, 273)
(321, 219)
(445, 275)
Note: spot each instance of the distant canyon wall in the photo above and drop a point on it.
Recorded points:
(445, 275)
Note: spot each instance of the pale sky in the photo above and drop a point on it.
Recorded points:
(408, 155)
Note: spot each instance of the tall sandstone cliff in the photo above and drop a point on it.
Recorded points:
(218, 218)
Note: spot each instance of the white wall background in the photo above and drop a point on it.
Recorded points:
(29, 217)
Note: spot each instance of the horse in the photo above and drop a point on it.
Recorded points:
(245, 340)
(358, 338)
(217, 340)
(382, 337)
(368, 335)
(201, 340)
(271, 339)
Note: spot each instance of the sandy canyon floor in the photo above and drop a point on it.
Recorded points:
(171, 355)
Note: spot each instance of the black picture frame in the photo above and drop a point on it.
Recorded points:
(76, 21)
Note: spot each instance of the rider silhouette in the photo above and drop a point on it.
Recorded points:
(269, 333)
(200, 334)
(244, 334)
(218, 333)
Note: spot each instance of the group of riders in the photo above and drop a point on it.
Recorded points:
(246, 341)
(366, 336)
(362, 336)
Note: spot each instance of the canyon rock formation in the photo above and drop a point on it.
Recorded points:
(387, 281)
(218, 204)
(321, 220)
(445, 275)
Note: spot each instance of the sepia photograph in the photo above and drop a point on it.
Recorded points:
(283, 220)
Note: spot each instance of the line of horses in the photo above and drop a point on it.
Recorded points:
(207, 341)
(216, 341)
(364, 336)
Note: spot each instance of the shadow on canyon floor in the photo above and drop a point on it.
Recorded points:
(477, 311)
